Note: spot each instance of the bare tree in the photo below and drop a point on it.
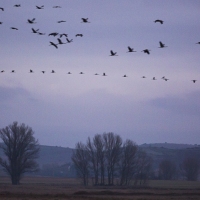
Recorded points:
(80, 159)
(190, 167)
(167, 169)
(113, 144)
(21, 149)
(127, 162)
(143, 166)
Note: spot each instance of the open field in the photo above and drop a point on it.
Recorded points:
(32, 188)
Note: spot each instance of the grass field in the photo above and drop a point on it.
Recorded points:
(44, 188)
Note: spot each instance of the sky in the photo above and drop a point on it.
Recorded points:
(63, 108)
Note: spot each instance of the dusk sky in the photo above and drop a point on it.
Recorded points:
(63, 108)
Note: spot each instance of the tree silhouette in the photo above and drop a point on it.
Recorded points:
(20, 149)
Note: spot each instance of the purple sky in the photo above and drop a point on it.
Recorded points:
(63, 109)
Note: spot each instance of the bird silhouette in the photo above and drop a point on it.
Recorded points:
(143, 77)
(40, 7)
(43, 72)
(13, 28)
(34, 31)
(56, 6)
(53, 71)
(69, 41)
(1, 8)
(166, 79)
(147, 51)
(13, 71)
(96, 74)
(80, 35)
(130, 49)
(31, 21)
(69, 73)
(39, 33)
(1, 22)
(81, 73)
(104, 74)
(61, 21)
(160, 21)
(2, 71)
(198, 43)
(85, 20)
(17, 5)
(154, 78)
(162, 45)
(63, 34)
(31, 71)
(194, 81)
(53, 34)
(53, 44)
(125, 75)
(113, 53)
(60, 41)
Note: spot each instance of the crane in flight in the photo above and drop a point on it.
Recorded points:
(194, 81)
(53, 44)
(17, 5)
(85, 20)
(147, 51)
(53, 34)
(40, 7)
(31, 21)
(34, 31)
(131, 49)
(80, 35)
(60, 41)
(161, 45)
(13, 28)
(1, 8)
(159, 21)
(61, 21)
(69, 41)
(112, 53)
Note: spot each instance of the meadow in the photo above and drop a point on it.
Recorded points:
(48, 188)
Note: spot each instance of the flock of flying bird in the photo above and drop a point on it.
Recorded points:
(60, 41)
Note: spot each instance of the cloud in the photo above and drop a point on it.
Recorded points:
(187, 104)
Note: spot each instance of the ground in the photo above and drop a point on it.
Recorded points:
(32, 188)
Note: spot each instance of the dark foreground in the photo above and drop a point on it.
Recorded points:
(60, 189)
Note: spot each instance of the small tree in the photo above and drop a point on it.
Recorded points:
(167, 169)
(80, 159)
(21, 149)
(190, 167)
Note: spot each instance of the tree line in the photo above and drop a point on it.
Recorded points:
(104, 159)
(107, 158)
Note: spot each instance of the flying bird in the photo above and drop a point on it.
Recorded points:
(60, 41)
(69, 41)
(53, 34)
(113, 53)
(96, 74)
(104, 74)
(13, 28)
(43, 72)
(53, 71)
(31, 71)
(2, 71)
(31, 21)
(41, 33)
(1, 22)
(61, 21)
(56, 6)
(1, 8)
(13, 71)
(194, 81)
(53, 44)
(130, 49)
(63, 34)
(85, 20)
(34, 31)
(81, 73)
(143, 77)
(198, 43)
(158, 20)
(161, 45)
(69, 73)
(17, 5)
(40, 7)
(154, 78)
(125, 75)
(147, 51)
(80, 35)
